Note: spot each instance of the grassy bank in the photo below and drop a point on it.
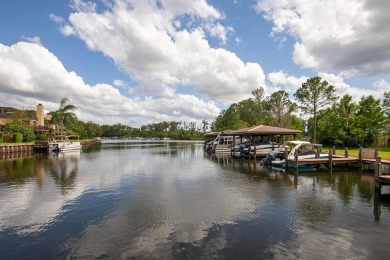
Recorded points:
(83, 141)
(383, 152)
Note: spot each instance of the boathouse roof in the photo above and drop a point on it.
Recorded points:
(224, 132)
(265, 130)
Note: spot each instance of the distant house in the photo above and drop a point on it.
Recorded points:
(5, 114)
(35, 118)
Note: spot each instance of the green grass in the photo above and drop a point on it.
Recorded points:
(383, 152)
(6, 144)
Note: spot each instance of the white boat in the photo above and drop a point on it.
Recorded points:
(61, 143)
(304, 150)
(261, 149)
(222, 143)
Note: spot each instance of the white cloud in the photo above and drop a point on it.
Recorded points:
(382, 84)
(162, 46)
(31, 74)
(342, 88)
(290, 84)
(64, 28)
(348, 36)
(119, 83)
(34, 39)
(280, 80)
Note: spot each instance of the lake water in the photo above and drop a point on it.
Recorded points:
(170, 200)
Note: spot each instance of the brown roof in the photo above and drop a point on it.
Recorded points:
(265, 130)
(6, 115)
(224, 132)
(29, 115)
(211, 134)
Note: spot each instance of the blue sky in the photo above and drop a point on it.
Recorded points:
(138, 62)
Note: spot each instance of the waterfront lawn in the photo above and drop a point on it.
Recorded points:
(384, 152)
(10, 144)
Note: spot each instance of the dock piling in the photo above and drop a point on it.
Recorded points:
(330, 164)
(295, 161)
(378, 167)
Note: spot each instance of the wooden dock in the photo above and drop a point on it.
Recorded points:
(41, 146)
(16, 148)
(384, 179)
(366, 156)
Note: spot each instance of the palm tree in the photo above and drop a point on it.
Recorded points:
(64, 115)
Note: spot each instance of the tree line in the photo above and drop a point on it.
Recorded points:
(331, 120)
(68, 123)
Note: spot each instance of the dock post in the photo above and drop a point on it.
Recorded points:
(249, 148)
(285, 157)
(378, 167)
(361, 158)
(296, 160)
(346, 155)
(330, 163)
(334, 150)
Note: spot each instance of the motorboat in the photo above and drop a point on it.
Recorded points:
(60, 143)
(303, 149)
(262, 148)
(237, 150)
(223, 143)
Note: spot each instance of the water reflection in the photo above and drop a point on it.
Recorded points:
(63, 168)
(25, 203)
(170, 200)
(16, 169)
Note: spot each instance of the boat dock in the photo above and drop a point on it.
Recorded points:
(16, 148)
(366, 156)
(38, 146)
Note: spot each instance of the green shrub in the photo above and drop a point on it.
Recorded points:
(1, 137)
(7, 138)
(26, 131)
(17, 138)
(41, 137)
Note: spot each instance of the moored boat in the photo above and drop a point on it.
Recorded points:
(301, 149)
(260, 149)
(223, 143)
(64, 143)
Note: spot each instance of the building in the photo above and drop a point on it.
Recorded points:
(5, 114)
(35, 119)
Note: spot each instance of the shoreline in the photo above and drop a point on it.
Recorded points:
(30, 147)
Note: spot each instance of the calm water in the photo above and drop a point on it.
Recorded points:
(169, 200)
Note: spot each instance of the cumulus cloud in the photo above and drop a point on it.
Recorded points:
(382, 84)
(290, 84)
(280, 80)
(120, 83)
(342, 88)
(34, 39)
(31, 74)
(163, 44)
(349, 36)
